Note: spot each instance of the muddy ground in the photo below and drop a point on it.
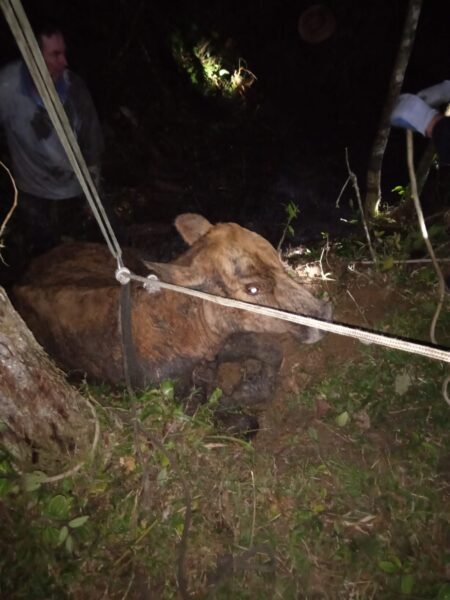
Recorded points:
(362, 298)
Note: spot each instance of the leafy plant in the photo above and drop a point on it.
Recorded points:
(292, 213)
(208, 68)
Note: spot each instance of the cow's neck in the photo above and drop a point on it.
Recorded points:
(183, 331)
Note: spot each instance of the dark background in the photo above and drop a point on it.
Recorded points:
(182, 149)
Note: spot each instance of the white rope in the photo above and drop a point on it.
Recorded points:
(152, 284)
(20, 27)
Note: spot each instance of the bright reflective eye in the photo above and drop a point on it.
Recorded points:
(252, 290)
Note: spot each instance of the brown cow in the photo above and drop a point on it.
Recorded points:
(70, 300)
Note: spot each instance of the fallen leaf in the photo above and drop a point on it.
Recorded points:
(402, 383)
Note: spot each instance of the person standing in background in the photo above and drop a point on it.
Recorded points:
(50, 200)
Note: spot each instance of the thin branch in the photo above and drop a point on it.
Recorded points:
(424, 231)
(373, 193)
(14, 206)
(347, 181)
(408, 261)
(354, 181)
(252, 534)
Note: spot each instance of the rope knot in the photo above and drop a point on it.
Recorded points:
(123, 275)
(153, 285)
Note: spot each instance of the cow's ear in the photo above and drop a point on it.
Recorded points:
(192, 227)
(177, 274)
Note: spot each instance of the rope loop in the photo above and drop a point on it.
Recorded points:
(123, 275)
(152, 285)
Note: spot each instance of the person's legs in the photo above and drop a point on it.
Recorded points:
(92, 229)
(35, 221)
(441, 138)
(47, 222)
(69, 217)
(75, 220)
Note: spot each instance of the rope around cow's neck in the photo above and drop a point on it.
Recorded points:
(152, 284)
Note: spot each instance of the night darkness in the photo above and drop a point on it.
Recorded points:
(171, 148)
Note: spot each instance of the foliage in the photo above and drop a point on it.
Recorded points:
(208, 68)
(41, 531)
(292, 213)
(393, 243)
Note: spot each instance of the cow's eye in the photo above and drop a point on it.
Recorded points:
(252, 290)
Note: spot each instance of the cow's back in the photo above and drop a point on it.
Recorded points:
(77, 263)
(69, 298)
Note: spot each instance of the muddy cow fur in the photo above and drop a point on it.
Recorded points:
(246, 370)
(70, 300)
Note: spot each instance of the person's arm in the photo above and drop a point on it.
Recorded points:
(436, 95)
(411, 112)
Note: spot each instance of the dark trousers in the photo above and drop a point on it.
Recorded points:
(39, 224)
(441, 139)
(44, 223)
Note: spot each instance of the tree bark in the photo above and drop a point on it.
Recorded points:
(42, 417)
(373, 193)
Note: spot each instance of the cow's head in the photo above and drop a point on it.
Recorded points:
(228, 260)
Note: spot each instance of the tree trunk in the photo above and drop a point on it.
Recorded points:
(373, 193)
(42, 417)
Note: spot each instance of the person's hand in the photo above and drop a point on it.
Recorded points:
(436, 95)
(411, 112)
